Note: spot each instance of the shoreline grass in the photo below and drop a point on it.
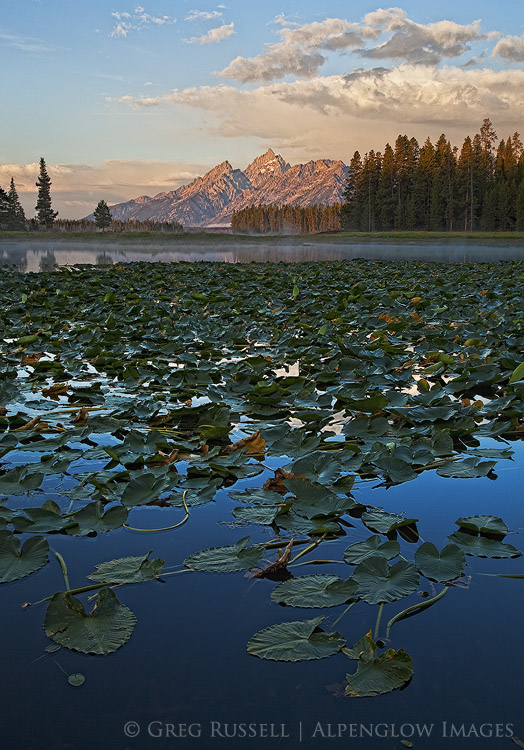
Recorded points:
(211, 238)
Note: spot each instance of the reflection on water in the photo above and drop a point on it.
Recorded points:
(44, 256)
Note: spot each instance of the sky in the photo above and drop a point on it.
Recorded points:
(125, 99)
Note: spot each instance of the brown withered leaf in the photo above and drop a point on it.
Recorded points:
(30, 359)
(280, 564)
(163, 459)
(31, 425)
(254, 445)
(276, 483)
(56, 390)
(160, 420)
(82, 415)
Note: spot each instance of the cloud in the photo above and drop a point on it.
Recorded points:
(299, 51)
(138, 19)
(417, 43)
(331, 116)
(77, 188)
(203, 15)
(213, 36)
(510, 48)
(27, 44)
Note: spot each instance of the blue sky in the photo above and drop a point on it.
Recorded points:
(124, 99)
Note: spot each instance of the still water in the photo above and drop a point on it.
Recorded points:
(44, 256)
(186, 663)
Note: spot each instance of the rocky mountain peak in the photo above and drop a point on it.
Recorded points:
(266, 166)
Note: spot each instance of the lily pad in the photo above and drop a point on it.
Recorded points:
(483, 525)
(226, 559)
(128, 570)
(480, 546)
(371, 547)
(379, 675)
(103, 631)
(18, 563)
(384, 523)
(444, 566)
(314, 591)
(295, 641)
(380, 583)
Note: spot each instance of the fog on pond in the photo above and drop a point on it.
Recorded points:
(46, 255)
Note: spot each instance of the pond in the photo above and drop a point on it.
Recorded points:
(36, 255)
(159, 396)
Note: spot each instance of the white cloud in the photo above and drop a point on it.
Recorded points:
(213, 36)
(331, 116)
(203, 15)
(510, 48)
(26, 44)
(299, 51)
(126, 22)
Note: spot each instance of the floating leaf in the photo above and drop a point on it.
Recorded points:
(104, 630)
(15, 563)
(383, 523)
(378, 582)
(470, 468)
(371, 547)
(128, 570)
(76, 680)
(480, 546)
(226, 559)
(444, 566)
(484, 525)
(379, 675)
(92, 519)
(295, 641)
(314, 591)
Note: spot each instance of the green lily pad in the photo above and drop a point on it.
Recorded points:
(314, 591)
(92, 519)
(470, 468)
(444, 566)
(378, 582)
(384, 523)
(128, 570)
(76, 680)
(371, 547)
(379, 675)
(103, 631)
(18, 563)
(259, 514)
(226, 559)
(483, 525)
(480, 546)
(295, 641)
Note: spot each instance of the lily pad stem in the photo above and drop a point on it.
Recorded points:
(64, 570)
(166, 528)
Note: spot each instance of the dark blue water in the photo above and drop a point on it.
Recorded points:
(185, 671)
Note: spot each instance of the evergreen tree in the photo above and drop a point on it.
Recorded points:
(45, 213)
(15, 212)
(102, 215)
(4, 207)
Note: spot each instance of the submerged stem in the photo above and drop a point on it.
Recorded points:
(379, 617)
(64, 570)
(165, 528)
(420, 607)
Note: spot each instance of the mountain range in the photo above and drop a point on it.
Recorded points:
(210, 200)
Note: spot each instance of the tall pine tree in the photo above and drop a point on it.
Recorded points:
(44, 212)
(15, 212)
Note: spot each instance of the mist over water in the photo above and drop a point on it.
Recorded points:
(44, 256)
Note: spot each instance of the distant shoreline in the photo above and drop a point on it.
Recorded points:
(215, 238)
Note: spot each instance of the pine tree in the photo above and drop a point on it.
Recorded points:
(45, 214)
(4, 207)
(15, 212)
(102, 215)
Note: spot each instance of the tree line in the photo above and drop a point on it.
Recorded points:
(287, 219)
(437, 187)
(12, 215)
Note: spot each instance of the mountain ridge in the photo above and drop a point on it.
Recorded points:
(211, 199)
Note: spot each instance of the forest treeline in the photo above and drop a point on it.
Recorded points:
(433, 187)
(287, 219)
